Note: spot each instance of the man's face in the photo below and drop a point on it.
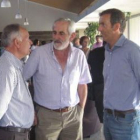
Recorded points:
(61, 36)
(25, 43)
(105, 27)
(98, 39)
(85, 43)
(77, 42)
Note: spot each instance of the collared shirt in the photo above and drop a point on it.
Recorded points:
(53, 88)
(33, 47)
(122, 75)
(97, 45)
(16, 106)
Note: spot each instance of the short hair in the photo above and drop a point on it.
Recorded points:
(71, 24)
(35, 42)
(98, 36)
(10, 32)
(83, 38)
(75, 39)
(116, 16)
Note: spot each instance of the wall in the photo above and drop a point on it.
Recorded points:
(41, 35)
(134, 31)
(40, 17)
(81, 32)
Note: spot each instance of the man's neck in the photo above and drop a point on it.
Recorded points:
(62, 56)
(12, 50)
(114, 40)
(64, 51)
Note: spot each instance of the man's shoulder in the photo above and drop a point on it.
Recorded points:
(77, 51)
(130, 45)
(42, 49)
(6, 66)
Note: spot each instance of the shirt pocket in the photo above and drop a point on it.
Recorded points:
(74, 76)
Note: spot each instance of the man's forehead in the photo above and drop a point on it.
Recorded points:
(60, 27)
(23, 31)
(104, 18)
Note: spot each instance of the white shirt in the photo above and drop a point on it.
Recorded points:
(53, 88)
(33, 47)
(16, 107)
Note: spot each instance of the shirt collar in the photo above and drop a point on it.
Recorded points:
(118, 44)
(15, 61)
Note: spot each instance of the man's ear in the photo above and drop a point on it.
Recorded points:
(116, 26)
(73, 35)
(17, 42)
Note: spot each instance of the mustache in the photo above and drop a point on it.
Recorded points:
(57, 41)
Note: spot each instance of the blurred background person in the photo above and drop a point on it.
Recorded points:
(84, 42)
(76, 43)
(43, 42)
(91, 122)
(95, 61)
(36, 43)
(99, 42)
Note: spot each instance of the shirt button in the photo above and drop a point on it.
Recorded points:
(108, 65)
(110, 52)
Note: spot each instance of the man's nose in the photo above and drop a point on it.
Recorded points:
(56, 36)
(31, 42)
(99, 28)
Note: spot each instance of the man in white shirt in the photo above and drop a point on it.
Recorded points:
(60, 75)
(16, 106)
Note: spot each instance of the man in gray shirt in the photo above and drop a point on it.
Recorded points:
(122, 79)
(16, 106)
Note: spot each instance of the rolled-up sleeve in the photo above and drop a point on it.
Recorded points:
(85, 76)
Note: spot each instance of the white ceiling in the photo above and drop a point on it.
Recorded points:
(41, 17)
(132, 6)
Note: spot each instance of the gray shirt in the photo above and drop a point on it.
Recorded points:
(122, 75)
(16, 107)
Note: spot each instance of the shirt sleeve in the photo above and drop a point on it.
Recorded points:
(31, 65)
(85, 76)
(7, 85)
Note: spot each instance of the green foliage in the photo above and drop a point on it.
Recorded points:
(91, 31)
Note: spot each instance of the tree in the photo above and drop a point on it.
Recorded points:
(91, 31)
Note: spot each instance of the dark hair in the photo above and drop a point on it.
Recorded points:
(98, 36)
(75, 39)
(9, 33)
(43, 42)
(116, 16)
(83, 38)
(35, 42)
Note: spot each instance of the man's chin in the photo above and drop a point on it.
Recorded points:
(60, 47)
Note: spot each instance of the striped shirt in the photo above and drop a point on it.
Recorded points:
(53, 88)
(122, 75)
(16, 107)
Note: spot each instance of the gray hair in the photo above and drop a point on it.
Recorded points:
(10, 32)
(71, 24)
